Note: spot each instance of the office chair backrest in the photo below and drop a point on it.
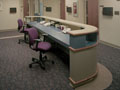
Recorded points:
(33, 34)
(20, 24)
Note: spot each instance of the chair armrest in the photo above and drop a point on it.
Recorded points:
(45, 34)
(37, 40)
(24, 26)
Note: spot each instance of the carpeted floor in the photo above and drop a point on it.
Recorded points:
(110, 58)
(9, 33)
(16, 75)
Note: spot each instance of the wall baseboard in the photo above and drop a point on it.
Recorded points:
(109, 44)
(8, 30)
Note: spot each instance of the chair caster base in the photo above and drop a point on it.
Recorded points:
(41, 62)
(19, 42)
(30, 65)
(42, 67)
(45, 58)
(23, 41)
(33, 59)
(53, 62)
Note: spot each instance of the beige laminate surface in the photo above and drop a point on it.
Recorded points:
(102, 81)
(86, 28)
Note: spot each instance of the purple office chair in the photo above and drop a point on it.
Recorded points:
(38, 45)
(22, 29)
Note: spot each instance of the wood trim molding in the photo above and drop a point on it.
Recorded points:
(76, 34)
(76, 50)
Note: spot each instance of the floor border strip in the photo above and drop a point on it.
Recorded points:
(2, 38)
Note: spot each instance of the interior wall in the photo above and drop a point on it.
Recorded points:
(81, 11)
(8, 20)
(55, 4)
(110, 25)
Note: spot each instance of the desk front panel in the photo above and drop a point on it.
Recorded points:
(54, 33)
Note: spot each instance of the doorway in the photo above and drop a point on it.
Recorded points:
(92, 12)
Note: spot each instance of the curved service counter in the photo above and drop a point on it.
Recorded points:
(81, 40)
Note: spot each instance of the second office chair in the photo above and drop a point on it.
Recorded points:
(22, 29)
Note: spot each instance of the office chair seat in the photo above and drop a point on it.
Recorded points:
(44, 46)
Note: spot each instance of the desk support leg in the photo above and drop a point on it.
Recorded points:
(83, 66)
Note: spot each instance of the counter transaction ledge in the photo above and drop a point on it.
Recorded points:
(81, 42)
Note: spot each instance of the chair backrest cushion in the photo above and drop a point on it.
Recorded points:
(33, 34)
(20, 24)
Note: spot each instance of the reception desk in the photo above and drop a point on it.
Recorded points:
(81, 42)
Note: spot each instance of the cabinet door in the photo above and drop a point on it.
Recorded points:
(92, 12)
(62, 9)
(26, 8)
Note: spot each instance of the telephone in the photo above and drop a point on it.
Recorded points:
(66, 30)
(47, 24)
(42, 22)
(52, 22)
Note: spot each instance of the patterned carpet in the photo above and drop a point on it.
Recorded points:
(16, 75)
(110, 58)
